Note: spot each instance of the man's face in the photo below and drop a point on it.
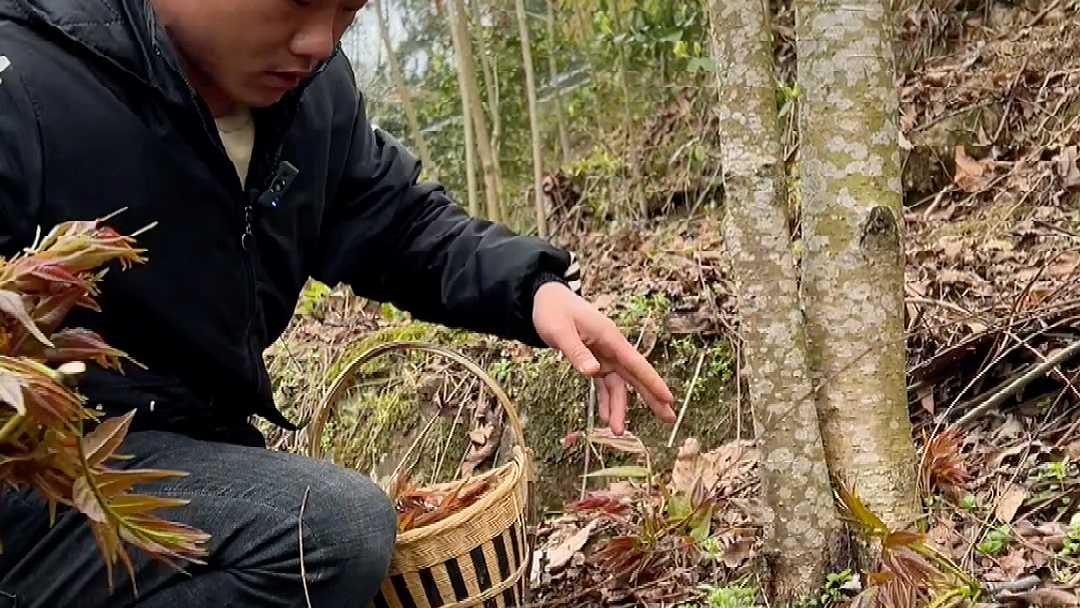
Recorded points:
(251, 52)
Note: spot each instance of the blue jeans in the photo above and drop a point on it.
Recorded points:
(248, 499)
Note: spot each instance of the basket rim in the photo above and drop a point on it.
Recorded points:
(337, 387)
(505, 489)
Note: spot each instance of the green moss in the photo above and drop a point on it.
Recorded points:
(312, 295)
(655, 305)
(409, 331)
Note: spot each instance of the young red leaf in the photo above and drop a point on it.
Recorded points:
(11, 304)
(50, 310)
(39, 276)
(51, 403)
(77, 344)
(11, 390)
(112, 483)
(87, 502)
(103, 441)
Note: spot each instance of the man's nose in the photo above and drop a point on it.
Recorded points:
(316, 37)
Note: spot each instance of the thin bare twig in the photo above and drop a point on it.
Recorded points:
(1019, 383)
(686, 400)
(300, 540)
(589, 420)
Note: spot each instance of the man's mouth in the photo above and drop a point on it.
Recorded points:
(286, 79)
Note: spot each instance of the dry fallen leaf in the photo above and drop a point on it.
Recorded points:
(971, 175)
(560, 555)
(685, 470)
(627, 442)
(603, 302)
(1014, 563)
(1064, 265)
(926, 399)
(481, 434)
(1009, 503)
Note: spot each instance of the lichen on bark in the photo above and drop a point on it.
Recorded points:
(853, 263)
(795, 477)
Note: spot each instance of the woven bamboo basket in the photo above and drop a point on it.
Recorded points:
(478, 556)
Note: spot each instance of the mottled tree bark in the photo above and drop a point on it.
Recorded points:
(795, 476)
(853, 263)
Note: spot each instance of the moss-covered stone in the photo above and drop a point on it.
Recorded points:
(379, 422)
(554, 400)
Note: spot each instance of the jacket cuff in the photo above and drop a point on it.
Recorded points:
(571, 277)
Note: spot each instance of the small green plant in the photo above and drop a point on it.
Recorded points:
(968, 502)
(1070, 551)
(643, 306)
(600, 162)
(734, 595)
(786, 97)
(1053, 471)
(832, 592)
(500, 369)
(995, 541)
(1071, 548)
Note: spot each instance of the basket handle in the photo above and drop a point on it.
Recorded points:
(318, 421)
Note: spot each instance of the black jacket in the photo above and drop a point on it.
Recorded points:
(96, 116)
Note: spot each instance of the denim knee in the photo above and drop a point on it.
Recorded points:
(354, 526)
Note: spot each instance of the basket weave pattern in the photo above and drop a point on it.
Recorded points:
(491, 573)
(478, 556)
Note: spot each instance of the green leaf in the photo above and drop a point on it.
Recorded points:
(704, 64)
(626, 471)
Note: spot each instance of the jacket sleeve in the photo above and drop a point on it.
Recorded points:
(394, 239)
(20, 161)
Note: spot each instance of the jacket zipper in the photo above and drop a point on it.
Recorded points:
(247, 239)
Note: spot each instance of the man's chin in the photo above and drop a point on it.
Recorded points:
(259, 94)
(263, 97)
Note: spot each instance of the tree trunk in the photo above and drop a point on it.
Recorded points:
(403, 92)
(471, 103)
(795, 477)
(853, 265)
(470, 153)
(553, 68)
(534, 120)
(490, 76)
